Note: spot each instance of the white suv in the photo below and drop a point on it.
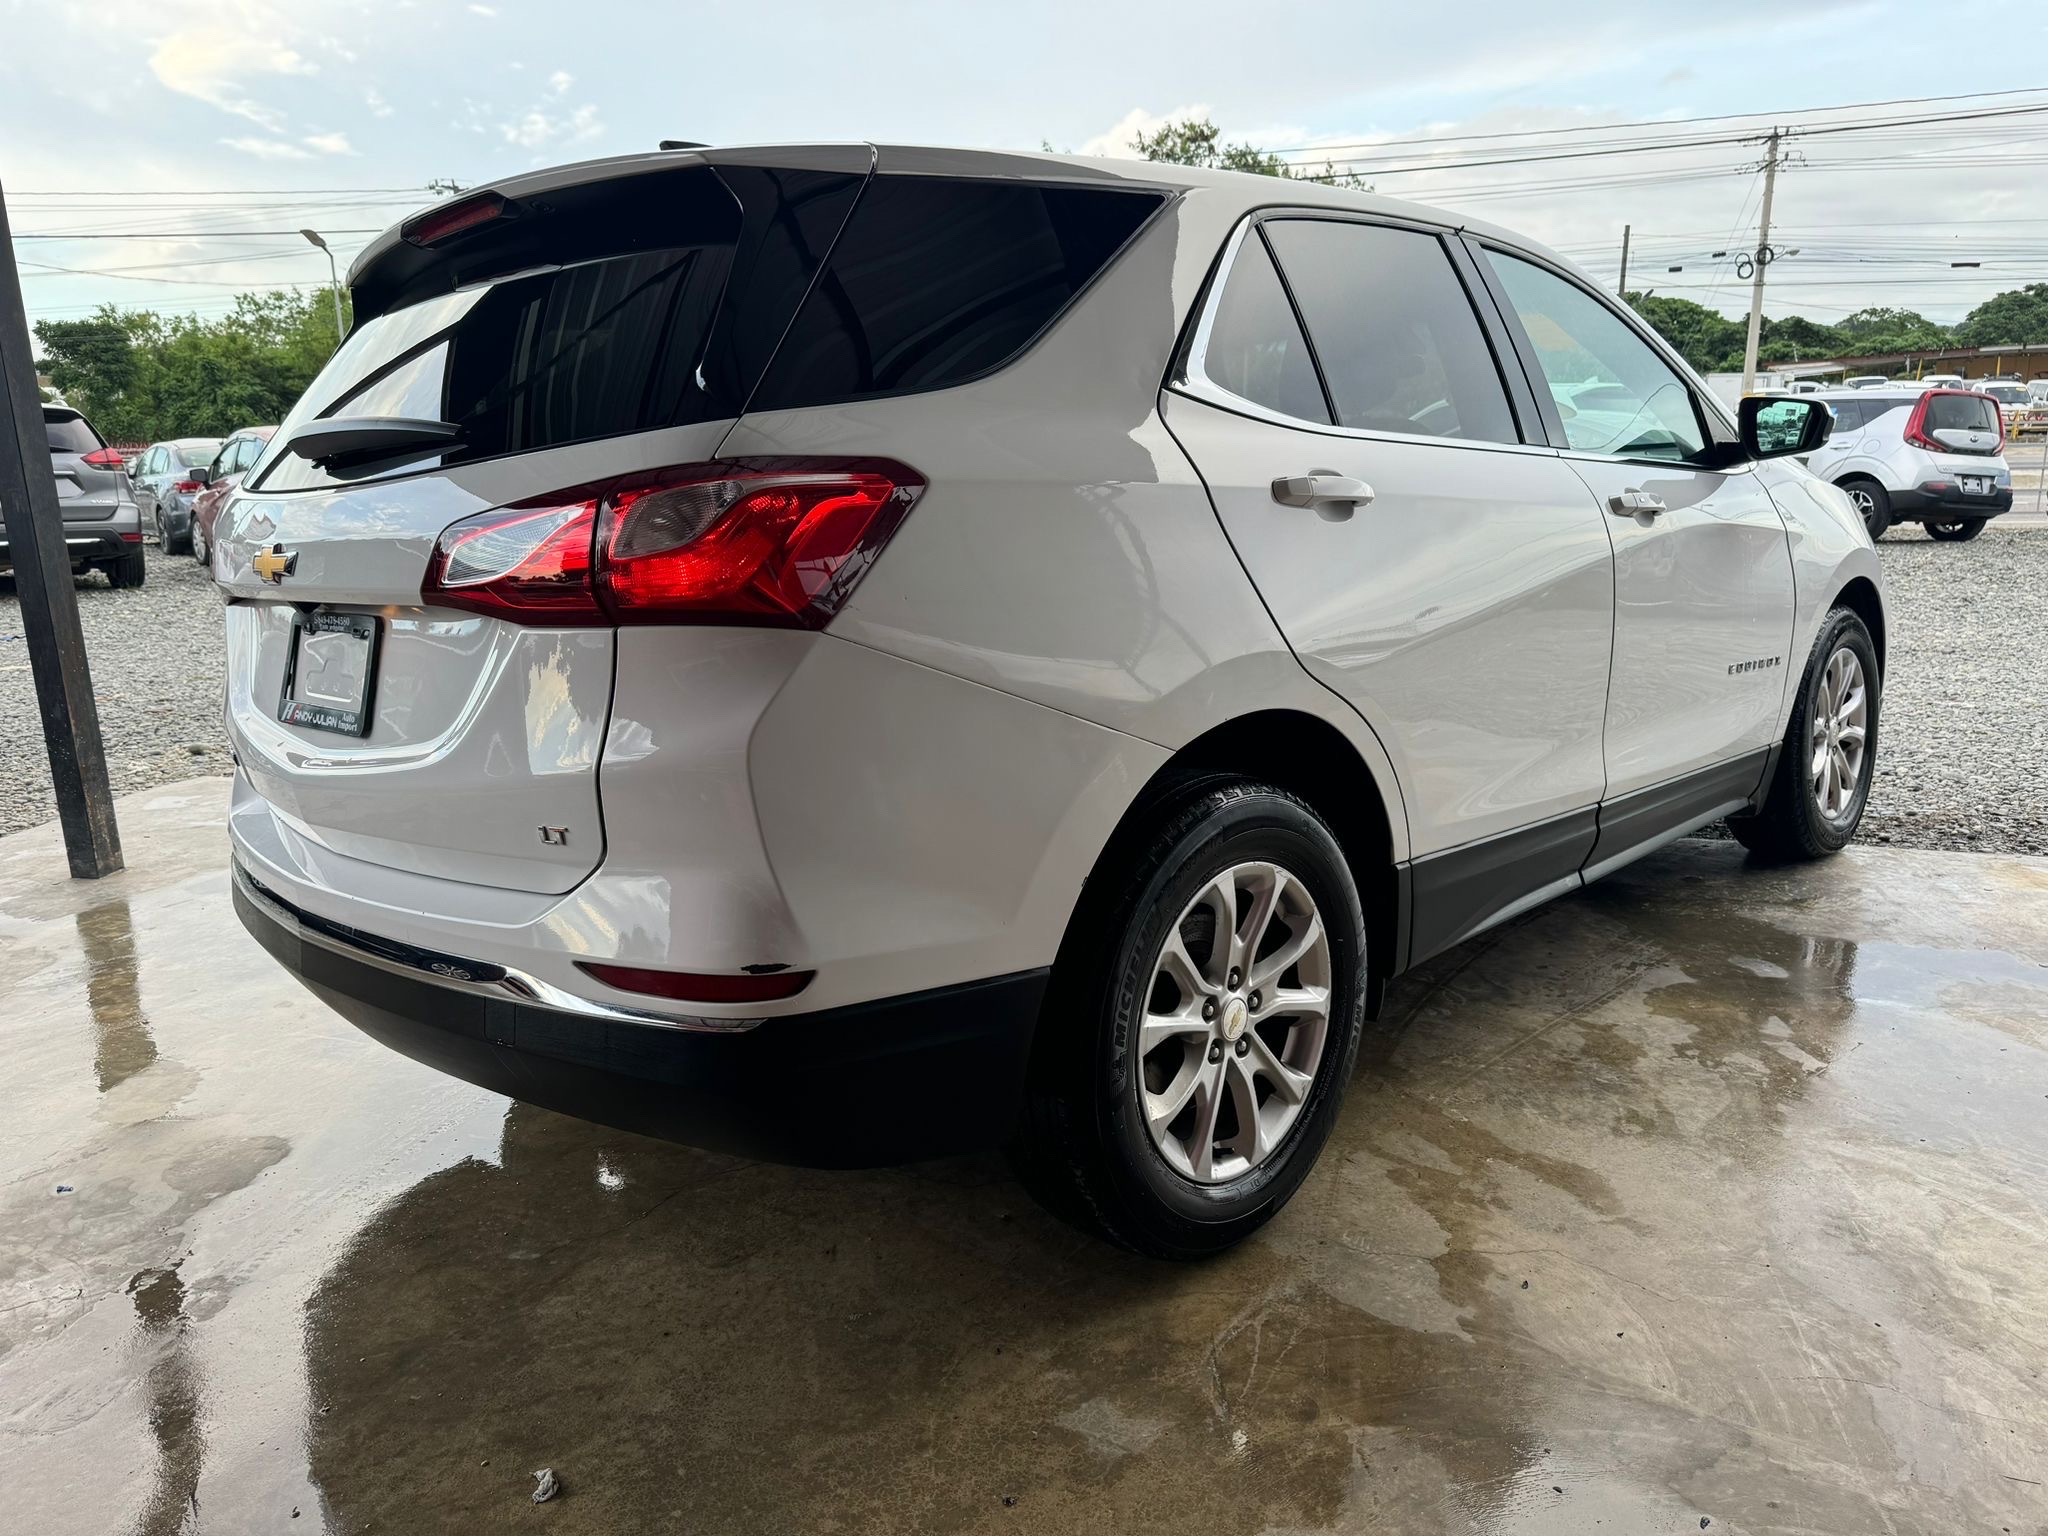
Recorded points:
(1911, 455)
(846, 653)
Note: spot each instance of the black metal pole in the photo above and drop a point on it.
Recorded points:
(49, 602)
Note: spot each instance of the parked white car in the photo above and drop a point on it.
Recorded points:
(850, 652)
(1912, 455)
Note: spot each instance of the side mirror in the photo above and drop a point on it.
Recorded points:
(203, 474)
(1776, 425)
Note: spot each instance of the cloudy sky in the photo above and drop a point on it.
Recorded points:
(201, 133)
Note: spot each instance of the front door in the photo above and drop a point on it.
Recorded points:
(1703, 601)
(1451, 582)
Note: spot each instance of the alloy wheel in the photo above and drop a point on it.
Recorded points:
(1841, 728)
(1236, 1019)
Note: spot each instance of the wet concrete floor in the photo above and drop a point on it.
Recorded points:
(1710, 1194)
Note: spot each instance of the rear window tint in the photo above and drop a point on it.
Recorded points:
(936, 282)
(1961, 413)
(673, 331)
(70, 433)
(202, 454)
(1254, 347)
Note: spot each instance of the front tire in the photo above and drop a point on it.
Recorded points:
(1873, 504)
(200, 551)
(1957, 530)
(1821, 784)
(1201, 1027)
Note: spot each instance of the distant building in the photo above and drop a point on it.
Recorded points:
(2011, 362)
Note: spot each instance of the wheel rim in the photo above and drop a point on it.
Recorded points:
(1862, 502)
(1841, 734)
(1946, 527)
(1236, 1019)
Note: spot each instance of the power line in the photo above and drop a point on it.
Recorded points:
(1668, 122)
(171, 236)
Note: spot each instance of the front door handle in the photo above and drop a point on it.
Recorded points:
(1629, 503)
(1322, 489)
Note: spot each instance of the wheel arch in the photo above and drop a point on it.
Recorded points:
(1860, 596)
(1308, 756)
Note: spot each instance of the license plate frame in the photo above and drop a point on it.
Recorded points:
(1974, 485)
(345, 708)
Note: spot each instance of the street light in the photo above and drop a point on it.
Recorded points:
(334, 280)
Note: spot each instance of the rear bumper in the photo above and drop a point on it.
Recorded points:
(1916, 503)
(872, 1083)
(90, 544)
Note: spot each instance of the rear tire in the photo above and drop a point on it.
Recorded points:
(129, 570)
(171, 543)
(1873, 504)
(1959, 530)
(1135, 1048)
(1806, 812)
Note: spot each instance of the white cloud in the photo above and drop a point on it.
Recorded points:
(268, 149)
(559, 82)
(374, 100)
(483, 10)
(212, 64)
(1115, 141)
(537, 127)
(328, 143)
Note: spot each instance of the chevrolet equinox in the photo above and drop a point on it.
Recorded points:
(845, 653)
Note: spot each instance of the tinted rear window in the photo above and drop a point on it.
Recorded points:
(936, 282)
(70, 433)
(1961, 413)
(674, 330)
(202, 454)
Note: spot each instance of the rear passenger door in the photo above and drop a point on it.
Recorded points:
(1365, 451)
(1702, 565)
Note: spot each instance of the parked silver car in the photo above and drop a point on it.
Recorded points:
(101, 526)
(1913, 455)
(166, 486)
(845, 653)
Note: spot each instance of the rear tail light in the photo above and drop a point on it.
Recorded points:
(103, 458)
(187, 486)
(683, 986)
(773, 542)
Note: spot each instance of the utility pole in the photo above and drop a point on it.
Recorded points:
(1762, 259)
(49, 602)
(1624, 263)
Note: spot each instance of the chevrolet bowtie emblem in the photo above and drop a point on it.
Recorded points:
(273, 564)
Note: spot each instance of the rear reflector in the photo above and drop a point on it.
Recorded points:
(684, 987)
(452, 218)
(103, 458)
(774, 542)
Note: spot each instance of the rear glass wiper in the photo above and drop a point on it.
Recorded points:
(348, 439)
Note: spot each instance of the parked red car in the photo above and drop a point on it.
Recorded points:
(221, 476)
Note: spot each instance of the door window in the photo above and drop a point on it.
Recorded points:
(1614, 393)
(1254, 347)
(1400, 347)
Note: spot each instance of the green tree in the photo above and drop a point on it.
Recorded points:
(1795, 339)
(2012, 318)
(142, 376)
(1197, 141)
(1881, 329)
(1704, 337)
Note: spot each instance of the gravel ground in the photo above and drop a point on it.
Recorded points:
(156, 671)
(1962, 759)
(1962, 756)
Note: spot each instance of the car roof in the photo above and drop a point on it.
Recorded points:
(1251, 190)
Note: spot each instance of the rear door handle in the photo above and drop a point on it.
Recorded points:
(1321, 488)
(1631, 502)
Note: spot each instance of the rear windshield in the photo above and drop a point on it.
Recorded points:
(1961, 413)
(69, 432)
(201, 453)
(624, 308)
(930, 282)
